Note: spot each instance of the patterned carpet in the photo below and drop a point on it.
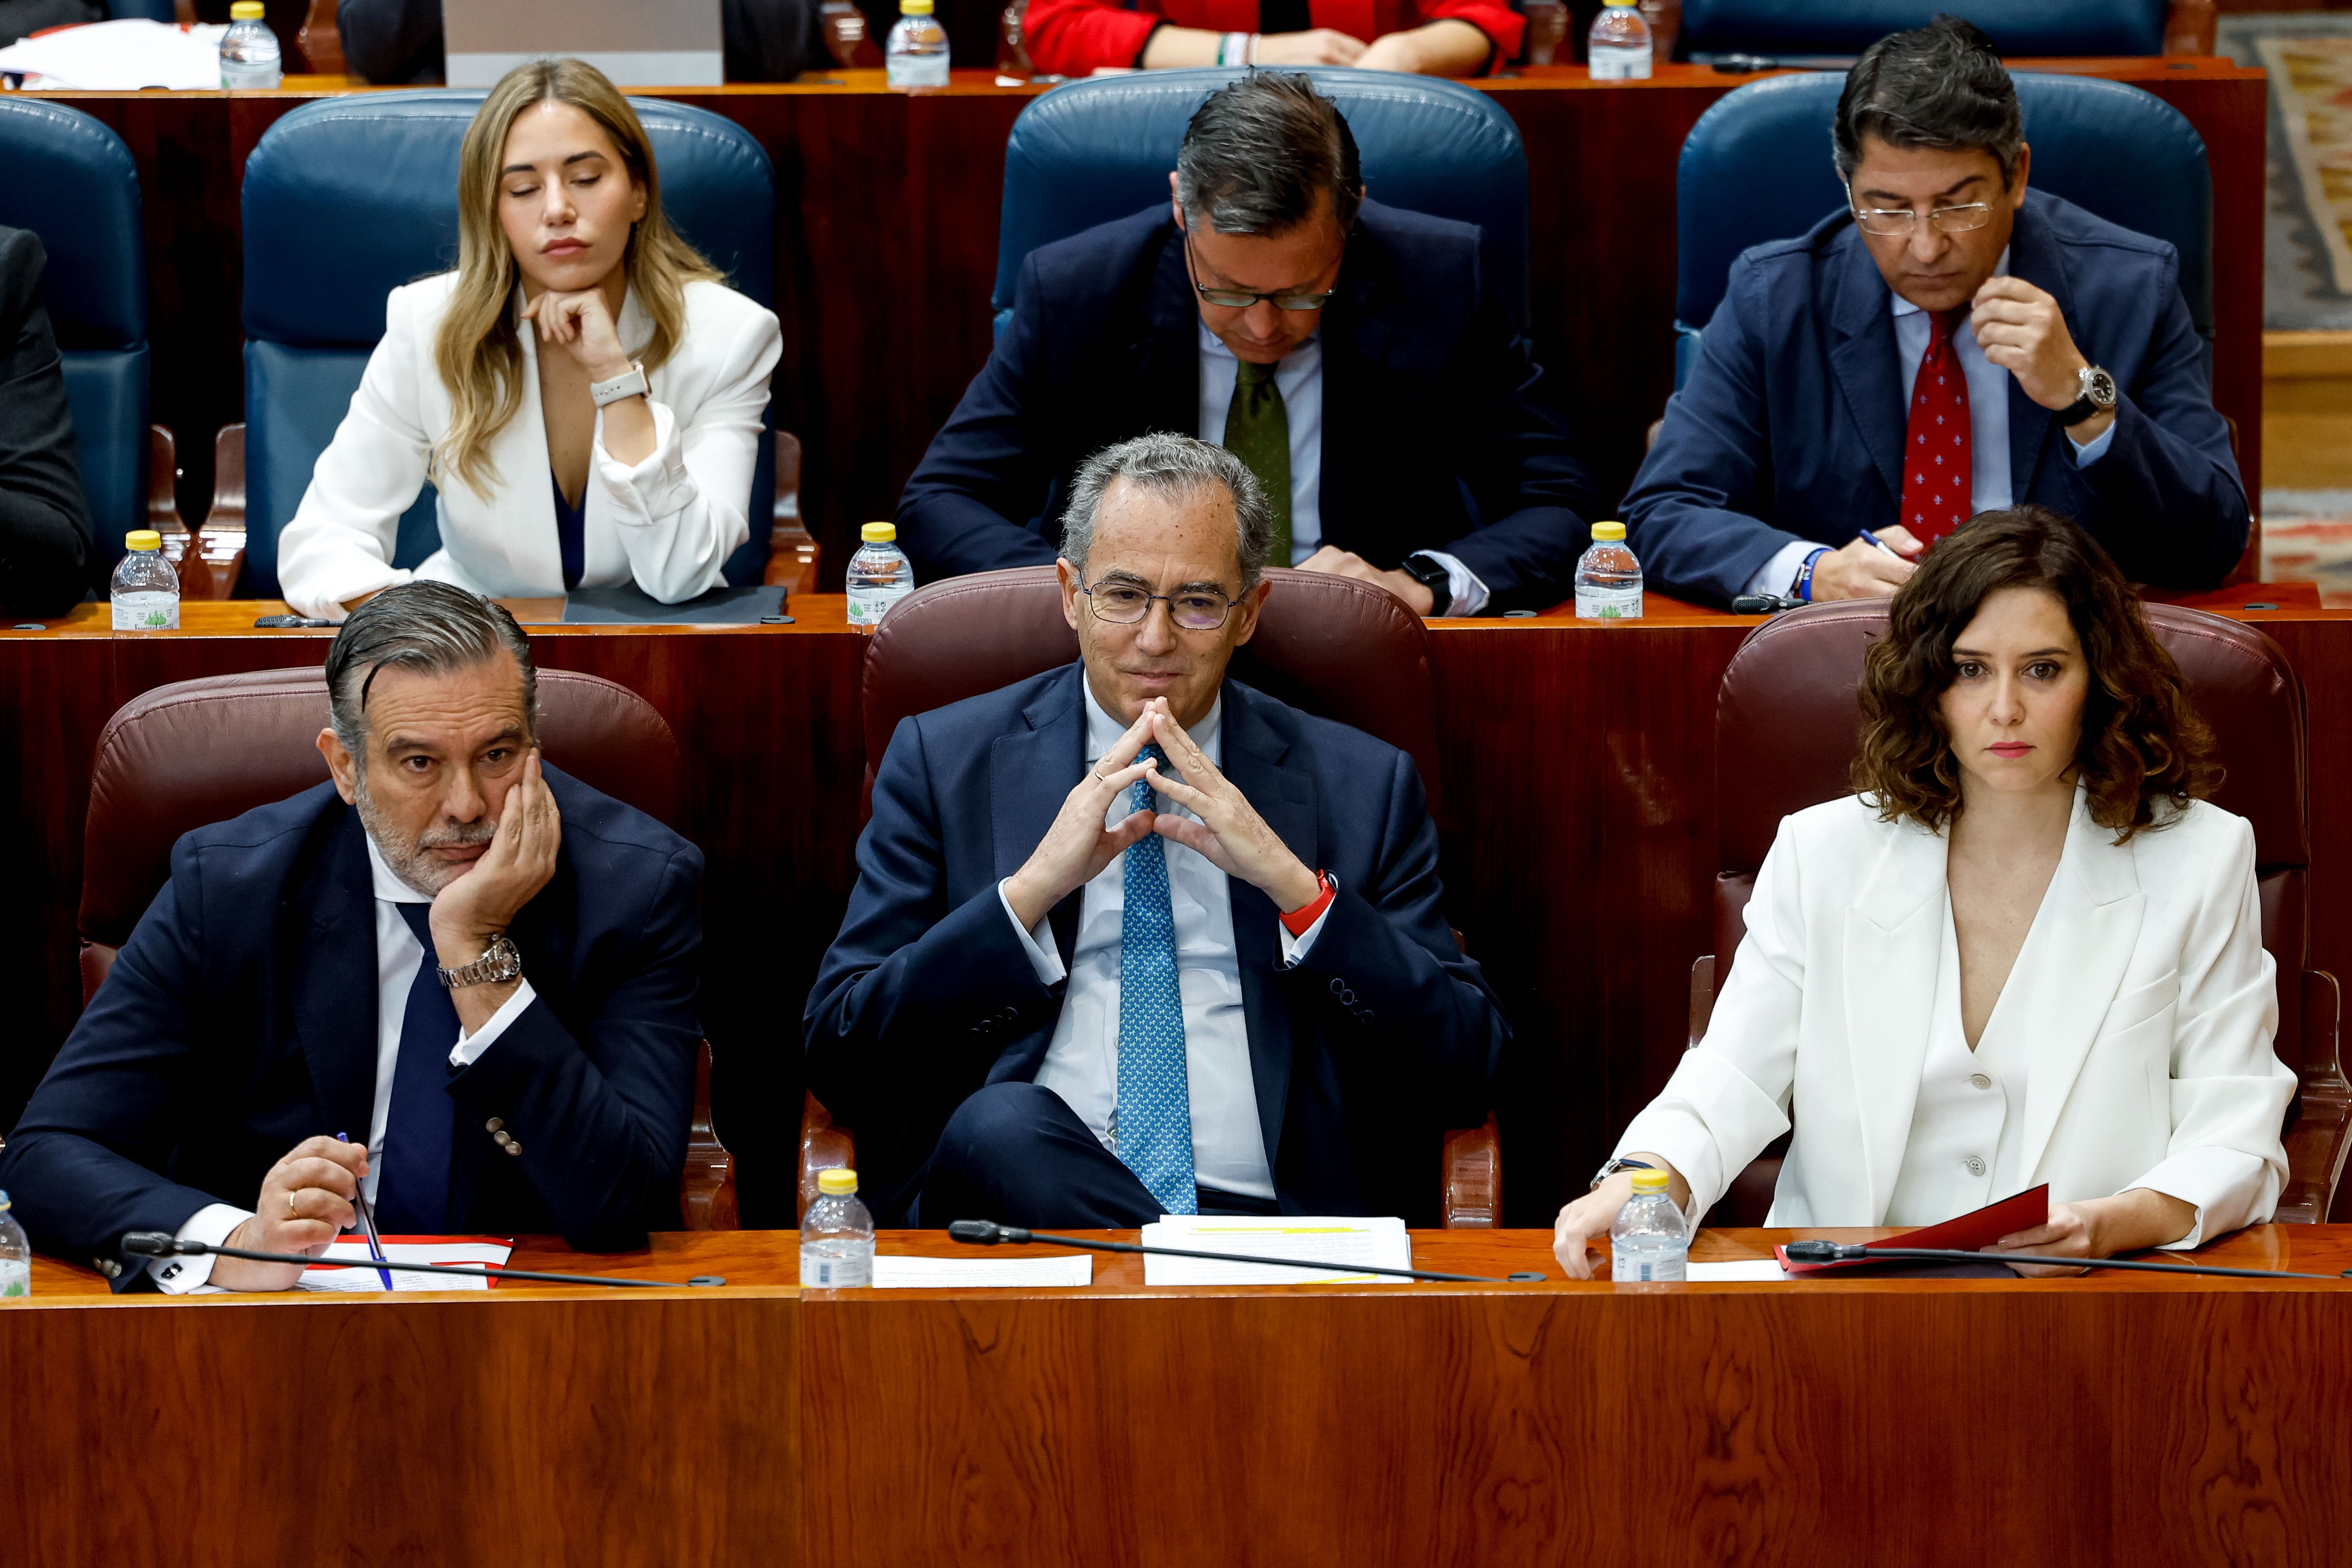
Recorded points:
(2307, 260)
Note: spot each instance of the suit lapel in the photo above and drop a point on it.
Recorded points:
(333, 986)
(1355, 373)
(1030, 774)
(2070, 969)
(1893, 932)
(1254, 756)
(2035, 258)
(1862, 359)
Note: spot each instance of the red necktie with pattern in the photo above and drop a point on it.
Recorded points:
(1936, 476)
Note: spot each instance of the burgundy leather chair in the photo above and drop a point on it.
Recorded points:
(1329, 645)
(1786, 727)
(200, 752)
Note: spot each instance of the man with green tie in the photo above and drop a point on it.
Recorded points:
(1358, 359)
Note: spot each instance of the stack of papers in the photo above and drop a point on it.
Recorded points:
(981, 1273)
(345, 1265)
(1381, 1243)
(119, 57)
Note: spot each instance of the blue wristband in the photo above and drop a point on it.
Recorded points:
(1805, 574)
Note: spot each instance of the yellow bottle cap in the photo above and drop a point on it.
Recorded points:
(143, 539)
(1648, 1181)
(914, 7)
(882, 532)
(246, 11)
(1601, 530)
(836, 1181)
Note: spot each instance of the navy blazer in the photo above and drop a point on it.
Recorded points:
(1792, 423)
(1437, 434)
(1382, 1037)
(240, 1018)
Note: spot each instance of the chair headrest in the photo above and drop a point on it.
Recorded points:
(71, 180)
(1786, 725)
(2026, 28)
(384, 164)
(199, 752)
(1757, 168)
(1328, 646)
(1093, 151)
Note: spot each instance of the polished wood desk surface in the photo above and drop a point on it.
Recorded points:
(768, 1262)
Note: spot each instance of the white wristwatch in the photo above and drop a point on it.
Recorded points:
(633, 385)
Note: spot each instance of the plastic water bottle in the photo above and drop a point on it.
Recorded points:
(1618, 47)
(248, 50)
(879, 575)
(146, 591)
(836, 1236)
(916, 59)
(16, 1254)
(1608, 578)
(1649, 1241)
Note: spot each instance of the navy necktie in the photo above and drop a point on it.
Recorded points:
(412, 1193)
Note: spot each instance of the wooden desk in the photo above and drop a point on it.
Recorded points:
(1580, 775)
(1884, 1421)
(886, 251)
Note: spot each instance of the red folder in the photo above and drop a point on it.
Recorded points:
(1967, 1233)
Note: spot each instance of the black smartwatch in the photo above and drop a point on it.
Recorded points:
(1430, 573)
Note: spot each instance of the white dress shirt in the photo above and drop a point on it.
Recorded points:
(1988, 455)
(1082, 1062)
(1967, 1126)
(1299, 378)
(398, 955)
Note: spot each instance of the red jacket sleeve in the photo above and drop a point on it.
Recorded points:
(1073, 38)
(1492, 17)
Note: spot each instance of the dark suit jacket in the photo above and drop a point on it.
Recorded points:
(44, 516)
(240, 1019)
(1791, 425)
(1383, 1035)
(400, 40)
(1436, 434)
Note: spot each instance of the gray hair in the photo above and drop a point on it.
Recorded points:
(1941, 87)
(432, 628)
(1171, 466)
(1260, 154)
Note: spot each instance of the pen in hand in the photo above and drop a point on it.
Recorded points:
(1879, 544)
(367, 1224)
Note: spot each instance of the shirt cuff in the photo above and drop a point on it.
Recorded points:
(644, 491)
(2086, 456)
(1779, 573)
(1470, 596)
(1043, 957)
(1295, 948)
(471, 1048)
(211, 1224)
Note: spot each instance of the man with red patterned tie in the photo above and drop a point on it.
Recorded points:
(1952, 343)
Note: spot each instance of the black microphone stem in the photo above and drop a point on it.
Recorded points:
(1017, 1236)
(463, 1270)
(1953, 1254)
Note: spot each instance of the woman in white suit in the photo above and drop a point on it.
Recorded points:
(2027, 951)
(584, 390)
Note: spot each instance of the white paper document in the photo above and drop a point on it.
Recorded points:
(981, 1273)
(1741, 1268)
(1381, 1243)
(122, 57)
(468, 1254)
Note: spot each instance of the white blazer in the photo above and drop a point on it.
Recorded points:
(668, 523)
(2143, 980)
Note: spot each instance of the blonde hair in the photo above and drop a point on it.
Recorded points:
(478, 350)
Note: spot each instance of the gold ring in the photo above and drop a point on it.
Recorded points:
(291, 1213)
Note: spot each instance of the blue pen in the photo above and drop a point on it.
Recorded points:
(367, 1224)
(1877, 543)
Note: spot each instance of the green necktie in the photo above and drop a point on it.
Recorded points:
(1257, 431)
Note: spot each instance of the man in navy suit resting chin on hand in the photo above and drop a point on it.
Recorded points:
(479, 968)
(1131, 939)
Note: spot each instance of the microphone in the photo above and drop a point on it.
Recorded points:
(164, 1243)
(1854, 1252)
(1763, 603)
(988, 1233)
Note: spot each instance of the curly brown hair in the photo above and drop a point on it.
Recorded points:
(2142, 741)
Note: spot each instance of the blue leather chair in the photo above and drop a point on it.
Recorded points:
(71, 180)
(153, 10)
(2023, 28)
(1756, 167)
(1100, 149)
(348, 198)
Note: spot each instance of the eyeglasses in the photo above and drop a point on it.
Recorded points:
(1242, 299)
(1890, 222)
(1123, 604)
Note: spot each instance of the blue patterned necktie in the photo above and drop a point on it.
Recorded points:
(1155, 1095)
(411, 1191)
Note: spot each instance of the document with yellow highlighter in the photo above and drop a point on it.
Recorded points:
(1294, 1238)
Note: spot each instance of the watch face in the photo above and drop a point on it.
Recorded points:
(2099, 387)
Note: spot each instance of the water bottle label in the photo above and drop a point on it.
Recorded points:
(1615, 62)
(867, 605)
(15, 1278)
(149, 611)
(1593, 604)
(1648, 1270)
(905, 71)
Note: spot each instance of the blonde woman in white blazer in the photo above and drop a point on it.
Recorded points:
(584, 390)
(2028, 951)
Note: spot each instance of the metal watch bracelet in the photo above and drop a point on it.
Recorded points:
(499, 963)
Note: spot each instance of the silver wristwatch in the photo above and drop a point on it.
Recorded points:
(499, 963)
(633, 385)
(2095, 393)
(1612, 1167)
